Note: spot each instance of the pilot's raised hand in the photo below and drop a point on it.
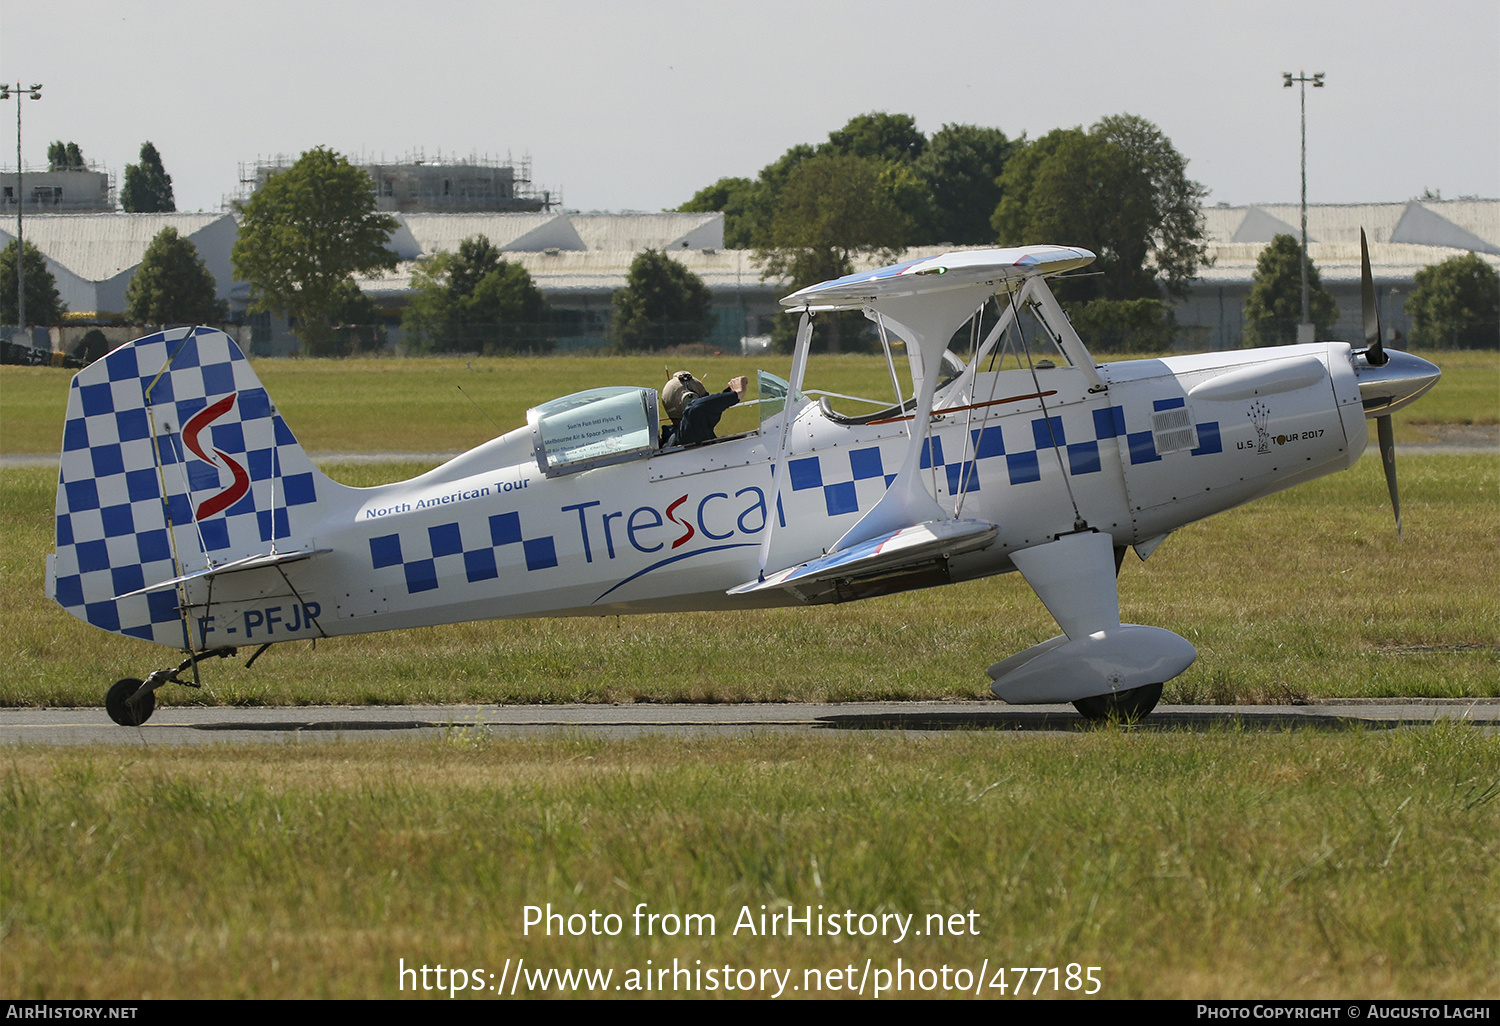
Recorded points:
(739, 385)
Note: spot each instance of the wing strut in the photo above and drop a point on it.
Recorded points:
(890, 364)
(788, 414)
(927, 320)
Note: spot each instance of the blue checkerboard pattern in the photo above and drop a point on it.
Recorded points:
(866, 473)
(439, 553)
(988, 459)
(128, 487)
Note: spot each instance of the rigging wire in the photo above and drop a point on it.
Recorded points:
(966, 465)
(972, 466)
(1079, 524)
(885, 344)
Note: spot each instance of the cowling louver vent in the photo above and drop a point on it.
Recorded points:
(1173, 430)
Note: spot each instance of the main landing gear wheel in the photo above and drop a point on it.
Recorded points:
(124, 712)
(1121, 706)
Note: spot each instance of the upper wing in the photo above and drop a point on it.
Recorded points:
(939, 274)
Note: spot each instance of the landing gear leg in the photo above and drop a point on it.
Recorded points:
(130, 702)
(1121, 706)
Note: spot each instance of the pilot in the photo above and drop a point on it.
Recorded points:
(694, 412)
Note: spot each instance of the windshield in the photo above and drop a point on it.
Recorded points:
(590, 428)
(772, 391)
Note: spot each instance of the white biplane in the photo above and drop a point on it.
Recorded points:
(189, 516)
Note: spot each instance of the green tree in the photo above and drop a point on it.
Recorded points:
(1124, 325)
(895, 141)
(173, 285)
(352, 307)
(773, 177)
(1081, 195)
(1011, 219)
(91, 347)
(473, 301)
(892, 137)
(749, 204)
(1274, 307)
(63, 156)
(148, 187)
(961, 167)
(833, 209)
(1172, 203)
(305, 233)
(663, 304)
(1121, 190)
(358, 326)
(1456, 304)
(43, 303)
(738, 199)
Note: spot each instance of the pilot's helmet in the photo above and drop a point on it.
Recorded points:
(681, 388)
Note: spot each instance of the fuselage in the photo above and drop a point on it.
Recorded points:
(1135, 449)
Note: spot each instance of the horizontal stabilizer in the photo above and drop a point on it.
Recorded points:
(233, 567)
(909, 548)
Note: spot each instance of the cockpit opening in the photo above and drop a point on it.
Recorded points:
(615, 424)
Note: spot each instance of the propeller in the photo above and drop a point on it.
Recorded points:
(1374, 351)
(1376, 356)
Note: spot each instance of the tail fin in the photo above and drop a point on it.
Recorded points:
(174, 461)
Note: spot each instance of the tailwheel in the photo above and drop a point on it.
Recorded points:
(127, 713)
(1120, 706)
(129, 706)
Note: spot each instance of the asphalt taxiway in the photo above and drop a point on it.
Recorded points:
(188, 725)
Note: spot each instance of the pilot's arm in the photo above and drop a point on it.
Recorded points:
(701, 416)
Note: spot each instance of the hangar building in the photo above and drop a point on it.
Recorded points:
(579, 260)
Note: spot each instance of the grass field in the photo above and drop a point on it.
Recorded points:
(417, 406)
(1228, 862)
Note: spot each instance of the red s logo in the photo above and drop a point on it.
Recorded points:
(680, 523)
(190, 431)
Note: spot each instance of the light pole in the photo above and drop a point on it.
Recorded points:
(35, 92)
(1305, 328)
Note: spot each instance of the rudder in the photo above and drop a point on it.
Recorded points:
(174, 460)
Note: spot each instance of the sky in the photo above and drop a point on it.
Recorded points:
(636, 106)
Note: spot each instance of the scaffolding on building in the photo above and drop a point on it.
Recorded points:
(81, 190)
(413, 183)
